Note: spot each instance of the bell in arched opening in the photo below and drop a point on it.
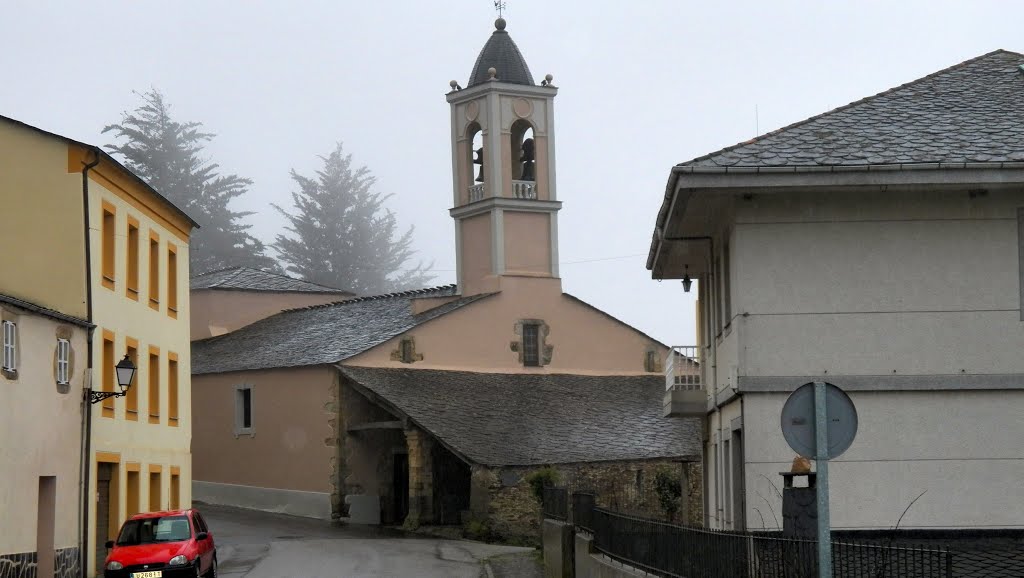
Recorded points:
(479, 160)
(528, 156)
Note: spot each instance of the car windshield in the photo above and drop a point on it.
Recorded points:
(151, 530)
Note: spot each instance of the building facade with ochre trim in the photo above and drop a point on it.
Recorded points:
(140, 443)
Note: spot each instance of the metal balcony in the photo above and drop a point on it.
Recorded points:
(685, 392)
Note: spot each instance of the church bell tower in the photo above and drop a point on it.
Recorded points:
(503, 159)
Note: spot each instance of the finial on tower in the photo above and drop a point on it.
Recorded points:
(499, 6)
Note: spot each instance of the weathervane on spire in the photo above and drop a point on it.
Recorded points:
(499, 6)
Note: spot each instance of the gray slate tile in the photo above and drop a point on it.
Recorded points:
(499, 419)
(246, 279)
(971, 112)
(318, 335)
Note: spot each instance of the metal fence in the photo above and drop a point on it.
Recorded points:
(555, 503)
(672, 550)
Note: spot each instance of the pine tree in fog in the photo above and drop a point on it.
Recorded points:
(169, 156)
(341, 234)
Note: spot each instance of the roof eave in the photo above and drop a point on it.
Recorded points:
(101, 154)
(829, 178)
(45, 311)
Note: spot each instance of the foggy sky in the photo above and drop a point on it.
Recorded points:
(642, 85)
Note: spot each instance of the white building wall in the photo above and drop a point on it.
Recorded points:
(915, 296)
(40, 435)
(898, 284)
(960, 449)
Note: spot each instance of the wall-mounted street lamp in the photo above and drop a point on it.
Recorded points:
(687, 282)
(125, 371)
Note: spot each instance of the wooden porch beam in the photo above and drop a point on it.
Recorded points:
(376, 425)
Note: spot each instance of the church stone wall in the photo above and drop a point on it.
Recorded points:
(503, 506)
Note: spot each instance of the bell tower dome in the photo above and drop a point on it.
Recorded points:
(503, 163)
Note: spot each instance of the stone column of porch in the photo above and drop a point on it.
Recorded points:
(421, 478)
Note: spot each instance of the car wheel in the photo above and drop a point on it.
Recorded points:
(212, 572)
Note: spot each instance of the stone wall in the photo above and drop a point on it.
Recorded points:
(24, 565)
(502, 499)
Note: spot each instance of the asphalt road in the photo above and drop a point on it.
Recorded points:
(261, 545)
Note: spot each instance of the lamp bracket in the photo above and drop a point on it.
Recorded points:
(98, 396)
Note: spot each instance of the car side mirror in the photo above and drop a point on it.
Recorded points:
(109, 544)
(202, 536)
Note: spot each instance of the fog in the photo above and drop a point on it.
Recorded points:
(642, 85)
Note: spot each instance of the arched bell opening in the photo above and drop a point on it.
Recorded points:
(475, 163)
(524, 169)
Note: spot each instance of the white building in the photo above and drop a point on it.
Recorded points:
(879, 247)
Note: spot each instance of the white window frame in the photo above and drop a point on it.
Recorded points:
(239, 401)
(63, 361)
(10, 357)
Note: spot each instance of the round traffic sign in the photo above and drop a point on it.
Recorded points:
(798, 421)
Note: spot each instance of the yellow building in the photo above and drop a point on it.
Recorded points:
(140, 457)
(100, 250)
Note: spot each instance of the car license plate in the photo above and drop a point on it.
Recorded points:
(150, 574)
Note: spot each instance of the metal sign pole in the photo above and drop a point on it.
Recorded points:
(821, 458)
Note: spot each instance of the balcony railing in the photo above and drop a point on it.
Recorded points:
(683, 369)
(520, 190)
(524, 189)
(685, 395)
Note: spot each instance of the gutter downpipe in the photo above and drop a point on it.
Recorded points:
(83, 554)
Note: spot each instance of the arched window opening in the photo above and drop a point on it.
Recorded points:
(476, 159)
(524, 171)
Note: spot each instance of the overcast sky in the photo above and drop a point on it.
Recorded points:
(642, 85)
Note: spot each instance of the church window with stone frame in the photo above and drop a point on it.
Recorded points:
(407, 350)
(651, 364)
(531, 345)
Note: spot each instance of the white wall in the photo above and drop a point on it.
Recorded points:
(40, 435)
(921, 286)
(961, 448)
(905, 284)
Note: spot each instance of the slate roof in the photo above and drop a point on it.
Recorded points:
(319, 334)
(44, 311)
(970, 112)
(501, 53)
(246, 279)
(498, 419)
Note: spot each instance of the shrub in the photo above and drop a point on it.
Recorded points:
(541, 479)
(477, 530)
(669, 489)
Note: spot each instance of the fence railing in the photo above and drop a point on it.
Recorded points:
(673, 550)
(476, 192)
(555, 504)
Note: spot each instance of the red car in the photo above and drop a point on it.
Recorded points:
(168, 544)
